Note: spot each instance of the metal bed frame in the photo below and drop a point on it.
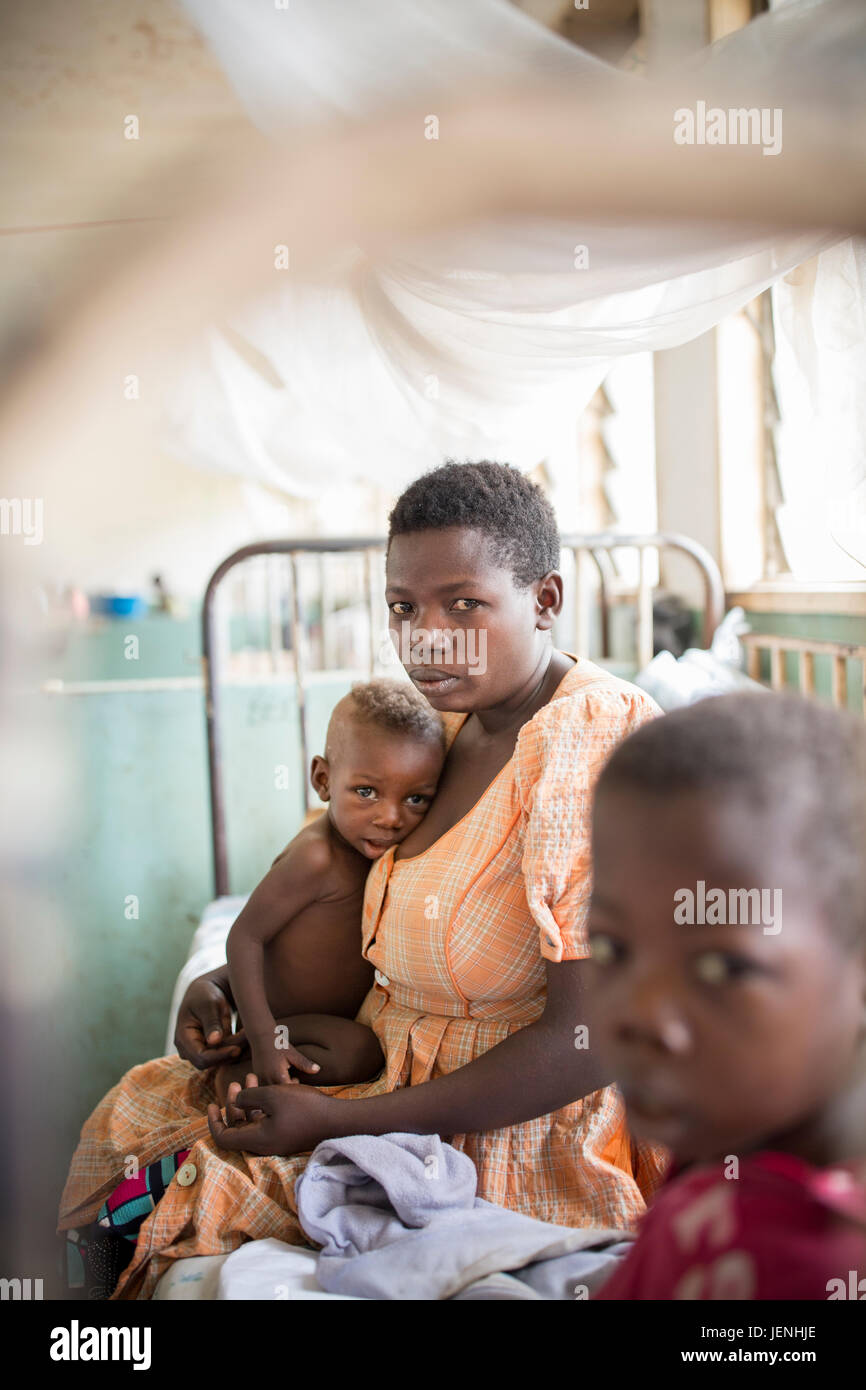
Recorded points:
(598, 546)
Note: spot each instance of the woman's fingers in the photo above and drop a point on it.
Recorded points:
(247, 1122)
(250, 1081)
(257, 1100)
(253, 1136)
(240, 1138)
(215, 1017)
(190, 1043)
(234, 1116)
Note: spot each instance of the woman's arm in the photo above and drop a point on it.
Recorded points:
(532, 1072)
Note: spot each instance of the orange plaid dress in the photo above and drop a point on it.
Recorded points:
(459, 935)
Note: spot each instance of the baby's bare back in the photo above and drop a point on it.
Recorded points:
(314, 963)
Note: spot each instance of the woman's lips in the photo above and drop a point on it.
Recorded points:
(434, 682)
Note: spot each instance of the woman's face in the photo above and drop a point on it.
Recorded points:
(467, 634)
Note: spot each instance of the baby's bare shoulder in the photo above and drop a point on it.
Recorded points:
(313, 856)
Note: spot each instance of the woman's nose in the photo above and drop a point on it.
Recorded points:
(427, 632)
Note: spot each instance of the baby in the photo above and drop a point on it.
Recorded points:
(728, 937)
(294, 953)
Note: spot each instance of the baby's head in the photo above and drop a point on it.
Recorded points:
(730, 1035)
(383, 755)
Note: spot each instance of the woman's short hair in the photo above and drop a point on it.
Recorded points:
(493, 498)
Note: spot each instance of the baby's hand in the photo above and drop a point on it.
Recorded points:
(271, 1065)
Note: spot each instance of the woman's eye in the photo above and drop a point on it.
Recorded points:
(470, 604)
(718, 967)
(400, 608)
(604, 949)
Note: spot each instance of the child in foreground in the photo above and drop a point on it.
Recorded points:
(735, 1020)
(294, 953)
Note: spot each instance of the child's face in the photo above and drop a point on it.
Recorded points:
(380, 786)
(723, 1038)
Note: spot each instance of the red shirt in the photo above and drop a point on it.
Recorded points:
(780, 1229)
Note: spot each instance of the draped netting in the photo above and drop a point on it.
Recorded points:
(488, 339)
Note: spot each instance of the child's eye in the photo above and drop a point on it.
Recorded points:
(417, 799)
(605, 951)
(719, 967)
(366, 792)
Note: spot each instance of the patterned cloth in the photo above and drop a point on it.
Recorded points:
(778, 1228)
(134, 1198)
(459, 935)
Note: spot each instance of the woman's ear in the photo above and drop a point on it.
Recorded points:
(548, 599)
(320, 776)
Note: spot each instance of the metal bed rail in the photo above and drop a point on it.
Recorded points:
(838, 654)
(598, 546)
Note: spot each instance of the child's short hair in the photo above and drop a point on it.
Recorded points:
(493, 498)
(397, 707)
(799, 762)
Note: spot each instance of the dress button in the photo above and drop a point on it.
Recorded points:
(381, 979)
(187, 1174)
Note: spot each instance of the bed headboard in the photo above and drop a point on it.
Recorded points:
(594, 576)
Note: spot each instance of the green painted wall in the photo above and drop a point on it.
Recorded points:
(824, 627)
(140, 825)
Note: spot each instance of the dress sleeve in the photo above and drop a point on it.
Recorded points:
(559, 755)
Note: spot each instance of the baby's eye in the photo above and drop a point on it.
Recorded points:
(417, 799)
(719, 967)
(470, 602)
(605, 951)
(366, 792)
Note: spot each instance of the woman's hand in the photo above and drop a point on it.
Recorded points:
(274, 1121)
(204, 1034)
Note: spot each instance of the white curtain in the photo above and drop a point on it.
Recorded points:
(820, 313)
(486, 343)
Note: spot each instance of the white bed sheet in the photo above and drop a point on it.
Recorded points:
(260, 1270)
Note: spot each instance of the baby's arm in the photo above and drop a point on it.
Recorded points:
(292, 883)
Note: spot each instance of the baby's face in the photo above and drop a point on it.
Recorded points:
(722, 1037)
(381, 786)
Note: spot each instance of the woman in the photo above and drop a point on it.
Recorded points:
(474, 922)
